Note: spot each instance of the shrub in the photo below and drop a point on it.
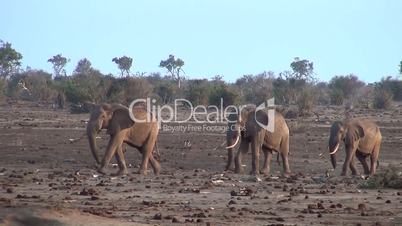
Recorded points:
(394, 86)
(344, 87)
(391, 177)
(198, 91)
(306, 101)
(382, 99)
(125, 90)
(336, 96)
(228, 95)
(2, 88)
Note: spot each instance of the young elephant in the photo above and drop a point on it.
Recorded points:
(362, 138)
(141, 134)
(260, 138)
(99, 119)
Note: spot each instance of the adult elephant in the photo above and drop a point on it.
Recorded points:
(257, 135)
(99, 119)
(139, 131)
(362, 138)
(235, 123)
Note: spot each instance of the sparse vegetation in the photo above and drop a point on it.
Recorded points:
(297, 87)
(391, 177)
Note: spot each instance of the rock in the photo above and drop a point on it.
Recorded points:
(157, 216)
(176, 220)
(362, 207)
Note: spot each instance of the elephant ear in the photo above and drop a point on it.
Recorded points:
(359, 131)
(120, 120)
(254, 121)
(261, 118)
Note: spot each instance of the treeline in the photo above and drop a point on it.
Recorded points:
(296, 87)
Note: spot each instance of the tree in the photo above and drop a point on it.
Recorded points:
(400, 67)
(124, 63)
(83, 67)
(10, 60)
(302, 69)
(174, 66)
(59, 62)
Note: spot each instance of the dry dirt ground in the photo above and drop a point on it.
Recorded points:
(48, 177)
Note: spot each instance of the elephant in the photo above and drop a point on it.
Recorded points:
(140, 132)
(362, 138)
(99, 119)
(261, 138)
(232, 135)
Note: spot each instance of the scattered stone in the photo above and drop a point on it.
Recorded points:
(157, 216)
(362, 207)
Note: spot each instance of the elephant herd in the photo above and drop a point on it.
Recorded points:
(361, 137)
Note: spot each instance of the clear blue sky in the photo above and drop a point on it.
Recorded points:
(227, 37)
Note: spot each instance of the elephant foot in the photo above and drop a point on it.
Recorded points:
(265, 172)
(157, 170)
(102, 170)
(239, 171)
(120, 173)
(287, 174)
(143, 172)
(255, 172)
(343, 174)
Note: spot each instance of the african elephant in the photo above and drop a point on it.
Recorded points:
(232, 135)
(362, 138)
(99, 119)
(141, 134)
(258, 137)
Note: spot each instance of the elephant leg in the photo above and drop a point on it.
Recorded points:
(230, 159)
(374, 158)
(267, 160)
(362, 159)
(115, 142)
(238, 159)
(255, 156)
(155, 164)
(352, 166)
(121, 161)
(348, 160)
(147, 153)
(285, 156)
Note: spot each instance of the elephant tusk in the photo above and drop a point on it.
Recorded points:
(336, 149)
(237, 141)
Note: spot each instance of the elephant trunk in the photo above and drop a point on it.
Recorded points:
(92, 131)
(332, 153)
(237, 134)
